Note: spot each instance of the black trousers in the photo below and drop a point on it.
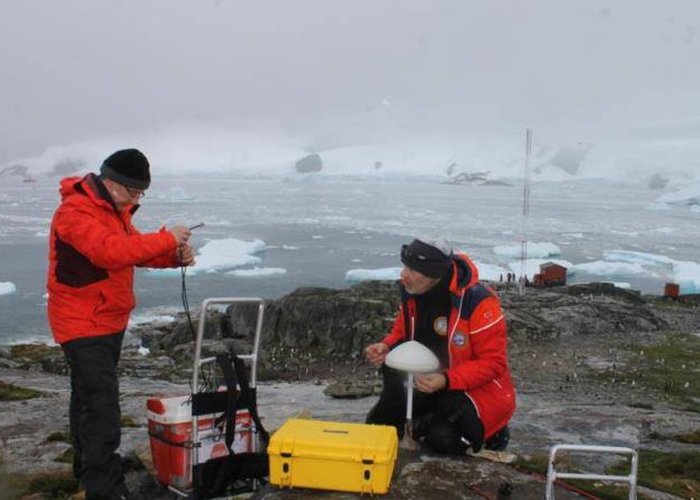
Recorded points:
(445, 420)
(95, 416)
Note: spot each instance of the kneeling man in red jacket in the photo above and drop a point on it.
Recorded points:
(468, 403)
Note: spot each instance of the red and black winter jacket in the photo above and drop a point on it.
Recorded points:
(93, 249)
(477, 344)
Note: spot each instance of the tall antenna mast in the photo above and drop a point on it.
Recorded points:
(526, 211)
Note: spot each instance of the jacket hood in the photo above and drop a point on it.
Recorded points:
(464, 273)
(68, 186)
(91, 186)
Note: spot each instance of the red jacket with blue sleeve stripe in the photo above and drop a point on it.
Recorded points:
(477, 344)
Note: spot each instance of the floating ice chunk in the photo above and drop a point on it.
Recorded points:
(491, 272)
(645, 259)
(535, 250)
(632, 234)
(228, 253)
(176, 195)
(283, 247)
(384, 274)
(217, 222)
(220, 255)
(605, 268)
(688, 195)
(687, 275)
(151, 318)
(7, 287)
(257, 272)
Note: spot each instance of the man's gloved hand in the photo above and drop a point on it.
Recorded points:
(181, 234)
(430, 382)
(186, 255)
(376, 353)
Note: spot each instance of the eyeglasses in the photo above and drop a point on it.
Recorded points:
(135, 193)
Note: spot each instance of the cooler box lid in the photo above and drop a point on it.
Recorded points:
(169, 410)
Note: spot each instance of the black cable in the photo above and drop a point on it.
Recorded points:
(186, 306)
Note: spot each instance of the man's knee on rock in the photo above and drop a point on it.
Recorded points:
(443, 437)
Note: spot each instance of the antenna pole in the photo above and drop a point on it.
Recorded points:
(526, 211)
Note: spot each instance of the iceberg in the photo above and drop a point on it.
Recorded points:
(176, 195)
(687, 275)
(642, 258)
(257, 272)
(535, 250)
(491, 272)
(221, 255)
(383, 274)
(228, 253)
(626, 263)
(7, 287)
(688, 195)
(605, 268)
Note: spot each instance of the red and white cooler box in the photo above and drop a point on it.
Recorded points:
(170, 430)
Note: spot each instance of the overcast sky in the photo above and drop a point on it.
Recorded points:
(341, 72)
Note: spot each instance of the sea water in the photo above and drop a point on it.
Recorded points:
(315, 229)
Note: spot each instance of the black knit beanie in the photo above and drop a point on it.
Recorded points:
(428, 259)
(128, 167)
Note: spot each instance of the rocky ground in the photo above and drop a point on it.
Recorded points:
(593, 364)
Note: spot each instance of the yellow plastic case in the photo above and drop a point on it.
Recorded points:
(333, 456)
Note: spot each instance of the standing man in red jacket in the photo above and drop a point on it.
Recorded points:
(468, 403)
(93, 249)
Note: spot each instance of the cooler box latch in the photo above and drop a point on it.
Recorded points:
(366, 485)
(286, 474)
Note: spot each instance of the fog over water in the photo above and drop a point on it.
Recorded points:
(217, 83)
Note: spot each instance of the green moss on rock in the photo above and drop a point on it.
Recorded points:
(9, 392)
(58, 485)
(669, 368)
(129, 421)
(34, 353)
(59, 436)
(676, 473)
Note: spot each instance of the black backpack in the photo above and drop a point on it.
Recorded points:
(236, 472)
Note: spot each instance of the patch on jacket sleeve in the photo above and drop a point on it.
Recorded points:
(73, 268)
(486, 315)
(459, 339)
(440, 325)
